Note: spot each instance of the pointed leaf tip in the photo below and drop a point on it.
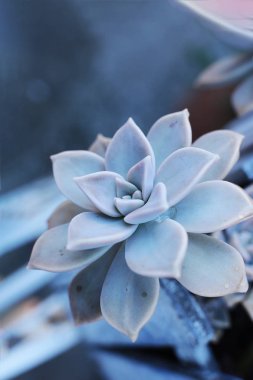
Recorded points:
(169, 133)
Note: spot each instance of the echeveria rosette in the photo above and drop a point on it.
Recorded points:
(142, 209)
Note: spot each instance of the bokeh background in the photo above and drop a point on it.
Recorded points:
(71, 69)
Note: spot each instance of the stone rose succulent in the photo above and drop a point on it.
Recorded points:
(232, 21)
(142, 212)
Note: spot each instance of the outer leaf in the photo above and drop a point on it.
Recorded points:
(212, 268)
(128, 146)
(99, 146)
(63, 214)
(85, 289)
(50, 253)
(100, 188)
(213, 206)
(242, 98)
(67, 165)
(226, 144)
(128, 300)
(154, 207)
(169, 133)
(157, 249)
(90, 230)
(182, 170)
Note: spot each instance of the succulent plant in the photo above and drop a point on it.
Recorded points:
(232, 21)
(140, 208)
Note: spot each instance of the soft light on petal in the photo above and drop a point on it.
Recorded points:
(155, 206)
(125, 206)
(169, 133)
(157, 249)
(225, 71)
(128, 146)
(63, 214)
(213, 206)
(182, 170)
(50, 252)
(91, 230)
(242, 98)
(100, 188)
(212, 268)
(85, 289)
(128, 300)
(70, 164)
(226, 144)
(99, 146)
(142, 175)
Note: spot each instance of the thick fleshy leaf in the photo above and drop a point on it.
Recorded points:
(142, 175)
(225, 71)
(169, 133)
(212, 268)
(232, 20)
(242, 98)
(91, 230)
(50, 252)
(100, 188)
(182, 170)
(128, 146)
(70, 164)
(226, 144)
(154, 207)
(213, 206)
(63, 214)
(125, 206)
(99, 146)
(85, 289)
(124, 187)
(157, 249)
(128, 300)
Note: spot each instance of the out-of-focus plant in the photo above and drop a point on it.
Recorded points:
(233, 21)
(139, 208)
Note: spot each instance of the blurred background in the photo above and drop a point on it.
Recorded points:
(71, 69)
